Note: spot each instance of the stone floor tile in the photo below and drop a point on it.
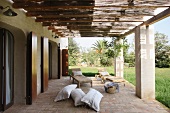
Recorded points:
(123, 101)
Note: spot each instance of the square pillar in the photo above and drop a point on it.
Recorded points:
(145, 62)
(119, 61)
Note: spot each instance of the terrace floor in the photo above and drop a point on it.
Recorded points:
(123, 101)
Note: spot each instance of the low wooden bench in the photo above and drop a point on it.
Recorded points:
(80, 78)
(115, 79)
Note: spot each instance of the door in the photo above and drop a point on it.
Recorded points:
(65, 62)
(59, 62)
(6, 69)
(31, 76)
(44, 64)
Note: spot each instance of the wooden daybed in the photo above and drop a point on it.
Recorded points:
(80, 78)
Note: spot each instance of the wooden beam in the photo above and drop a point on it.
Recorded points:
(85, 24)
(88, 17)
(47, 0)
(51, 28)
(86, 29)
(53, 20)
(158, 17)
(48, 7)
(152, 20)
(43, 14)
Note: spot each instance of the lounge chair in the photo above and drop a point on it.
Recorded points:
(104, 75)
(79, 77)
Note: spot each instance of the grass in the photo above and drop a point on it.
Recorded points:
(162, 81)
(91, 71)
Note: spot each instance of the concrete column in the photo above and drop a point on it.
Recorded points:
(119, 61)
(145, 62)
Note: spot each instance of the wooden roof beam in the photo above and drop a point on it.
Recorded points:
(93, 29)
(58, 21)
(152, 20)
(48, 0)
(84, 24)
(51, 27)
(47, 15)
(44, 6)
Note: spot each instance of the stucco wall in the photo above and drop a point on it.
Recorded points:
(20, 26)
(19, 62)
(54, 59)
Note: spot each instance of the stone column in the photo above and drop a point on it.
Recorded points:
(119, 61)
(145, 62)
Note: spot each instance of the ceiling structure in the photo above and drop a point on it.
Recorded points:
(91, 18)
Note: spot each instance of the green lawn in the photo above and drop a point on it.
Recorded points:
(162, 80)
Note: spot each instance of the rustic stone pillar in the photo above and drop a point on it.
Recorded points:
(145, 62)
(119, 61)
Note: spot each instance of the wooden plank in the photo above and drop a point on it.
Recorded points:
(53, 20)
(44, 6)
(46, 14)
(48, 0)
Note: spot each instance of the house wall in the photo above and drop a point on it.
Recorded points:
(20, 26)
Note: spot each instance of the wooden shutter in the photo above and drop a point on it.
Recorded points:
(44, 63)
(31, 79)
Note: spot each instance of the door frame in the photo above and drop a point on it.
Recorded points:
(50, 60)
(3, 84)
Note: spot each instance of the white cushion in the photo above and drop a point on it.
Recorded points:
(77, 73)
(93, 98)
(77, 94)
(104, 73)
(65, 92)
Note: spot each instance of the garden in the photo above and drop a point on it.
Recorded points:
(162, 80)
(102, 54)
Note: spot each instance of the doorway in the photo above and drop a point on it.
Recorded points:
(6, 69)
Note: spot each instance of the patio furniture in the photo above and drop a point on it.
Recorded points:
(79, 77)
(104, 75)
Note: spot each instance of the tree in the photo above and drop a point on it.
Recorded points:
(161, 50)
(73, 51)
(114, 49)
(101, 48)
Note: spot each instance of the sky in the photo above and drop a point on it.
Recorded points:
(162, 26)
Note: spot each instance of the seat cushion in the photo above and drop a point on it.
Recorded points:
(77, 73)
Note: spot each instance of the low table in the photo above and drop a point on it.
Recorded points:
(81, 79)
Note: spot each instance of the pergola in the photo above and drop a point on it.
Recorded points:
(93, 18)
(106, 18)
